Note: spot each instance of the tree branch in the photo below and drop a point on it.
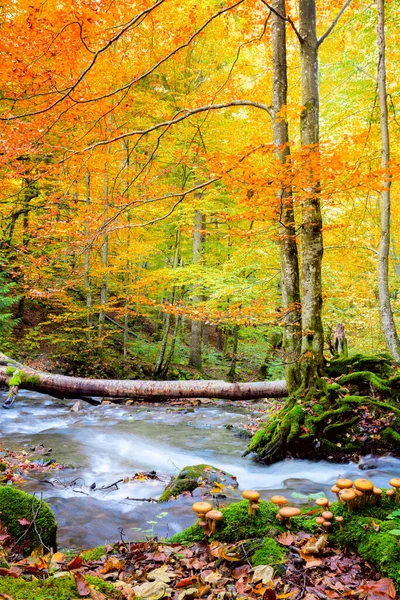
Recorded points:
(89, 67)
(177, 119)
(334, 23)
(287, 19)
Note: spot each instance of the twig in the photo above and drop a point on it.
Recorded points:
(141, 499)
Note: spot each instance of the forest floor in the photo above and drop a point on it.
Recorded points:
(153, 570)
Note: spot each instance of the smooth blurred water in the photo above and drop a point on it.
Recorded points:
(110, 442)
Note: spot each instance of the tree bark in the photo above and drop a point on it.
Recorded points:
(73, 387)
(387, 319)
(196, 339)
(287, 231)
(312, 243)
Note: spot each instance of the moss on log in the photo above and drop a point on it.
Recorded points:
(353, 413)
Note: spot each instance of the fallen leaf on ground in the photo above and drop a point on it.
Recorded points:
(286, 539)
(380, 590)
(161, 574)
(263, 573)
(81, 584)
(153, 590)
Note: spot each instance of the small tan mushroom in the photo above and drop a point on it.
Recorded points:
(340, 521)
(344, 483)
(327, 525)
(366, 487)
(252, 497)
(319, 520)
(213, 517)
(287, 512)
(203, 525)
(390, 493)
(335, 490)
(279, 500)
(395, 483)
(359, 499)
(323, 502)
(327, 515)
(348, 496)
(377, 495)
(201, 508)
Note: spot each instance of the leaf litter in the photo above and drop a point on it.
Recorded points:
(153, 570)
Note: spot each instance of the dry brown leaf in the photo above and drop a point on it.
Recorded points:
(263, 573)
(286, 539)
(81, 584)
(379, 590)
(161, 574)
(96, 595)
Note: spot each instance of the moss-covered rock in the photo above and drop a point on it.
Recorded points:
(189, 478)
(16, 505)
(63, 588)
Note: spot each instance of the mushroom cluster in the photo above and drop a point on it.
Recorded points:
(207, 517)
(356, 494)
(285, 513)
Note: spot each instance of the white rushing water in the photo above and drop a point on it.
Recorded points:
(111, 442)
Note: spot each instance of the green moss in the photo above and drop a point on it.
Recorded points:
(292, 421)
(390, 435)
(16, 504)
(238, 525)
(270, 553)
(381, 364)
(94, 553)
(188, 480)
(363, 377)
(62, 588)
(10, 371)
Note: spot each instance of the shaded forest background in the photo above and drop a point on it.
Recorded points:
(133, 246)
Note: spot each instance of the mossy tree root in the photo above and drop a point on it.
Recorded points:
(358, 413)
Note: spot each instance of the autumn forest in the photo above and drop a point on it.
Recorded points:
(200, 200)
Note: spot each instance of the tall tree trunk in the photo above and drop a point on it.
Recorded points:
(287, 232)
(232, 370)
(195, 357)
(312, 243)
(388, 324)
(86, 268)
(104, 266)
(159, 370)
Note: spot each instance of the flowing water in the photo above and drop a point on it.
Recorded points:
(110, 442)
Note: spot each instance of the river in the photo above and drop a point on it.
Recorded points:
(112, 442)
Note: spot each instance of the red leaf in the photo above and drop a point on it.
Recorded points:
(81, 584)
(75, 563)
(380, 590)
(24, 521)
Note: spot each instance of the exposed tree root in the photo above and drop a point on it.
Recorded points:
(350, 415)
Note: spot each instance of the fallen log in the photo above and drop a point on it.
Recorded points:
(62, 386)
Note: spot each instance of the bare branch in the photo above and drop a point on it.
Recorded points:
(287, 19)
(177, 119)
(334, 23)
(162, 60)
